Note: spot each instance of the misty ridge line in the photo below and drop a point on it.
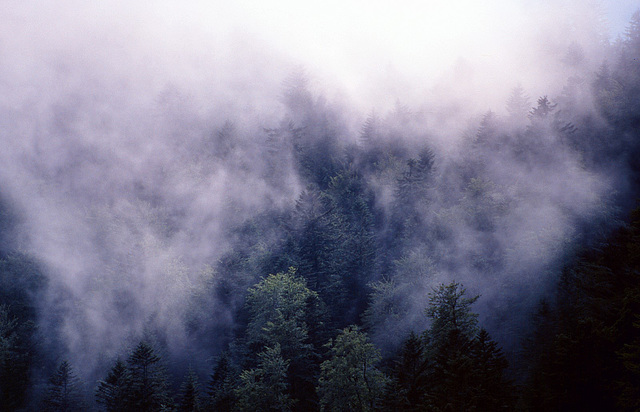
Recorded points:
(132, 194)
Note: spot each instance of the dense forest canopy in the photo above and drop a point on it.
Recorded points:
(193, 225)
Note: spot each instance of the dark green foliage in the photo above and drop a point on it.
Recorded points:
(452, 376)
(189, 399)
(139, 385)
(451, 311)
(350, 380)
(628, 388)
(222, 385)
(15, 359)
(334, 240)
(265, 388)
(147, 383)
(409, 387)
(286, 315)
(111, 392)
(468, 367)
(453, 366)
(371, 221)
(491, 391)
(354, 252)
(318, 240)
(586, 351)
(20, 281)
(278, 307)
(63, 392)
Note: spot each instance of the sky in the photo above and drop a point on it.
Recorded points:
(361, 44)
(368, 51)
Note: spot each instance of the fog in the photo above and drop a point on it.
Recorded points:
(107, 111)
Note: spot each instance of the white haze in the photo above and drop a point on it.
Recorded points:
(100, 104)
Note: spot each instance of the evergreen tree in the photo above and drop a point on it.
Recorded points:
(542, 110)
(350, 380)
(281, 308)
(450, 311)
(588, 357)
(491, 391)
(452, 377)
(190, 393)
(467, 367)
(20, 282)
(632, 33)
(14, 359)
(412, 186)
(112, 391)
(222, 385)
(370, 130)
(265, 387)
(147, 383)
(518, 106)
(63, 392)
(409, 386)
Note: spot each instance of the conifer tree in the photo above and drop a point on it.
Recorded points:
(491, 391)
(190, 393)
(63, 392)
(350, 379)
(111, 392)
(282, 309)
(265, 387)
(222, 385)
(14, 359)
(518, 106)
(409, 386)
(147, 384)
(450, 311)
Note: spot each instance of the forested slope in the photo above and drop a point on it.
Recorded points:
(297, 263)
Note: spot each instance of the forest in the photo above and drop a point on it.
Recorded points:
(314, 259)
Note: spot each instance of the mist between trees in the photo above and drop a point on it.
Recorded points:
(250, 240)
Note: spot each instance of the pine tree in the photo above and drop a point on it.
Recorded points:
(452, 377)
(413, 185)
(467, 367)
(632, 33)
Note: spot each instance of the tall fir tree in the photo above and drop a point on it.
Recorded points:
(63, 391)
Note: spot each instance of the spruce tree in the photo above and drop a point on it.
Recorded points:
(111, 392)
(63, 391)
(190, 393)
(148, 381)
(222, 385)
